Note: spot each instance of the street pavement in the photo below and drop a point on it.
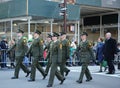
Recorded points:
(100, 80)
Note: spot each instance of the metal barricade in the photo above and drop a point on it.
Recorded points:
(3, 58)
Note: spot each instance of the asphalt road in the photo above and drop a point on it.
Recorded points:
(100, 80)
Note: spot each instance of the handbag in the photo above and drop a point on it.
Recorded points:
(104, 63)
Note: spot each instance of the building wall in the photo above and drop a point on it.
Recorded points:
(111, 3)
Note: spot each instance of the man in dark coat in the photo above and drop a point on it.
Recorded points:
(110, 49)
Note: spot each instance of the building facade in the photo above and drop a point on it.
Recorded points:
(94, 16)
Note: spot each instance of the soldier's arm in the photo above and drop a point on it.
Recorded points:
(68, 49)
(24, 42)
(29, 50)
(41, 48)
(59, 53)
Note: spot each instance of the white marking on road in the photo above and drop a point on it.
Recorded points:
(102, 73)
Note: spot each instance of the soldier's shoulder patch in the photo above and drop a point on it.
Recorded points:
(41, 42)
(60, 46)
(25, 41)
(90, 44)
(68, 43)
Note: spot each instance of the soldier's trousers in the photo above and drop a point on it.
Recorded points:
(35, 64)
(48, 66)
(85, 71)
(54, 72)
(19, 64)
(63, 68)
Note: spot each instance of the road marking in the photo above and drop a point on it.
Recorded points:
(117, 74)
(109, 75)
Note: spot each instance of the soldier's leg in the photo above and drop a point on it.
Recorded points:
(62, 69)
(82, 71)
(48, 66)
(24, 68)
(65, 69)
(33, 69)
(52, 73)
(88, 74)
(58, 75)
(17, 67)
(39, 67)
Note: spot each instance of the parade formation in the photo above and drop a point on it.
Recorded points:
(61, 40)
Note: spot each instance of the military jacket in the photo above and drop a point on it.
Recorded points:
(20, 47)
(56, 52)
(36, 48)
(65, 48)
(86, 52)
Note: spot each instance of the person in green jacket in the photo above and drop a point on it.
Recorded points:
(36, 50)
(20, 49)
(55, 56)
(86, 53)
(65, 53)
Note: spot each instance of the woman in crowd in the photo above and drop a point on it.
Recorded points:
(99, 52)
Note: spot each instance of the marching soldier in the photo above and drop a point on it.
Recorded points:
(49, 40)
(36, 50)
(20, 48)
(65, 53)
(55, 56)
(85, 54)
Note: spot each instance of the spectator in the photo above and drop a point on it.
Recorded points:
(109, 51)
(73, 49)
(4, 47)
(99, 53)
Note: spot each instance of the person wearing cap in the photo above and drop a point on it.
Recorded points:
(55, 56)
(20, 48)
(86, 53)
(65, 53)
(36, 49)
(49, 41)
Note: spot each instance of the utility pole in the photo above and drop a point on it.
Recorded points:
(65, 17)
(63, 12)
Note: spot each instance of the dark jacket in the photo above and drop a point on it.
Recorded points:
(3, 44)
(110, 48)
